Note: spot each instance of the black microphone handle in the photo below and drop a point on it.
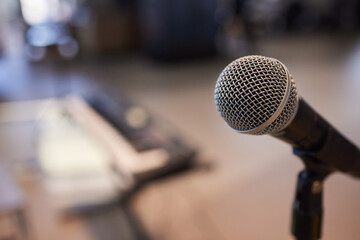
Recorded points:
(311, 135)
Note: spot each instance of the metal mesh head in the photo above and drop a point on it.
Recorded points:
(256, 95)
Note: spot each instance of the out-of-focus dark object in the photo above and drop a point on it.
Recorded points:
(234, 35)
(329, 14)
(263, 16)
(108, 26)
(173, 30)
(267, 17)
(13, 223)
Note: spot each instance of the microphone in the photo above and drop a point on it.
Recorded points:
(257, 95)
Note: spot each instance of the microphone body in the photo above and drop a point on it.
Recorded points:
(257, 95)
(312, 136)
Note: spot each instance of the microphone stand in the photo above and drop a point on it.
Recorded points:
(307, 210)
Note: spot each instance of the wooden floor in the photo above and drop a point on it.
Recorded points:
(247, 194)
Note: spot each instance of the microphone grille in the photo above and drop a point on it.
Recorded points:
(256, 95)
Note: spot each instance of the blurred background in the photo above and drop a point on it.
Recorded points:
(109, 128)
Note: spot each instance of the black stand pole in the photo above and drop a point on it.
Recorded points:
(308, 205)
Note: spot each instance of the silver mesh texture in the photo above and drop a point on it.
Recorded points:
(252, 90)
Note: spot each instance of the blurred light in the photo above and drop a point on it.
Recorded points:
(41, 36)
(136, 117)
(35, 11)
(47, 11)
(35, 53)
(48, 34)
